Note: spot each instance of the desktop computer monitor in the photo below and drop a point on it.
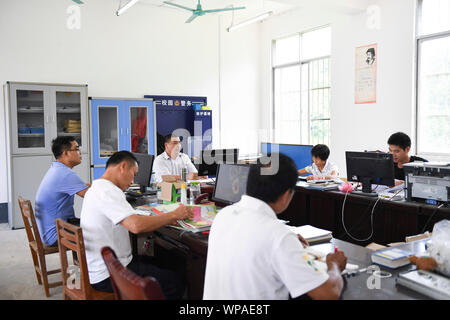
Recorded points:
(301, 154)
(231, 182)
(370, 168)
(211, 158)
(145, 162)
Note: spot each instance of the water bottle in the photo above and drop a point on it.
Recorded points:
(159, 195)
(194, 191)
(183, 194)
(183, 174)
(152, 181)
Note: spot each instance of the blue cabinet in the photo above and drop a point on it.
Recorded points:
(120, 124)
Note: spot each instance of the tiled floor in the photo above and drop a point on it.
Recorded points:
(17, 276)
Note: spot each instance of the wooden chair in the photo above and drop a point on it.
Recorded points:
(126, 284)
(78, 287)
(37, 248)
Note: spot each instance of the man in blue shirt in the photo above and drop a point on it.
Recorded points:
(55, 196)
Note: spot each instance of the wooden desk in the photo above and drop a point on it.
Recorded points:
(356, 287)
(175, 246)
(392, 220)
(177, 249)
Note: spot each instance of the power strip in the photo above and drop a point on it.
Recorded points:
(427, 283)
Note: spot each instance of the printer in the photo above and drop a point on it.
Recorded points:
(427, 182)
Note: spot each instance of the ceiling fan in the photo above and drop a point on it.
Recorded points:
(199, 11)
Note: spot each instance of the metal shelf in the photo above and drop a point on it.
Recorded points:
(30, 110)
(68, 110)
(30, 135)
(63, 134)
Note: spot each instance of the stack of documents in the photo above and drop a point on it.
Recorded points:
(312, 234)
(320, 184)
(202, 220)
(72, 126)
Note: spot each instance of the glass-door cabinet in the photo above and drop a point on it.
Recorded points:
(120, 124)
(68, 114)
(30, 118)
(41, 112)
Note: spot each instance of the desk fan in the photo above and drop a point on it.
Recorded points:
(199, 11)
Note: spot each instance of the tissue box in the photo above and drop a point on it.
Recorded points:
(170, 188)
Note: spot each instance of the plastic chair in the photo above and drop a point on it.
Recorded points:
(78, 287)
(126, 284)
(37, 248)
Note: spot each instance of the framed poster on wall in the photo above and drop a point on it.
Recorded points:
(366, 74)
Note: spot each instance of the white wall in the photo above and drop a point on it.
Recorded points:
(147, 50)
(363, 126)
(240, 88)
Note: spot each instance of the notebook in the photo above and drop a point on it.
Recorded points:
(391, 257)
(312, 234)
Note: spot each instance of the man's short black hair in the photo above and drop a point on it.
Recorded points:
(168, 138)
(269, 188)
(320, 151)
(120, 156)
(61, 144)
(400, 139)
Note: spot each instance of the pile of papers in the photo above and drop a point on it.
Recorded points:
(203, 215)
(312, 234)
(320, 184)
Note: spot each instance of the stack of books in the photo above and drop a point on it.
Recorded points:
(72, 126)
(391, 257)
(312, 234)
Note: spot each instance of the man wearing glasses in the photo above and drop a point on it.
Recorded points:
(55, 196)
(172, 160)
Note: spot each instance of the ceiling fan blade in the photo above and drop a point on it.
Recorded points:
(224, 9)
(191, 18)
(177, 5)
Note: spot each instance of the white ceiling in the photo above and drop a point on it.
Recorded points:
(255, 7)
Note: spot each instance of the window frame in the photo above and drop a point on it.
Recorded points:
(420, 38)
(300, 62)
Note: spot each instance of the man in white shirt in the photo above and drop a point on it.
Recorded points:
(171, 161)
(252, 255)
(107, 218)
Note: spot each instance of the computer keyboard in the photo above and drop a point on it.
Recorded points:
(150, 192)
(320, 181)
(398, 195)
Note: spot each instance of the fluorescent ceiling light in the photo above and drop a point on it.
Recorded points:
(249, 21)
(126, 7)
